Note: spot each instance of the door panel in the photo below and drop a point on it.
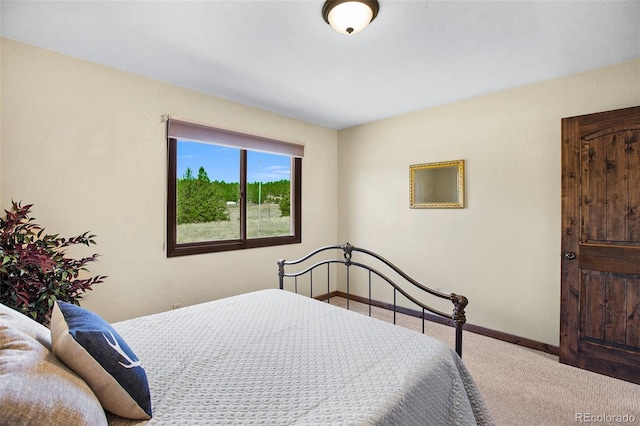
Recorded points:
(622, 260)
(593, 293)
(633, 312)
(600, 291)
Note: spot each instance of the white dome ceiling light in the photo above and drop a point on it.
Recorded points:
(349, 17)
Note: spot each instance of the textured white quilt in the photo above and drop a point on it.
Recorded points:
(278, 358)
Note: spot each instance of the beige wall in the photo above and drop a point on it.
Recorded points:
(86, 145)
(503, 250)
(1, 102)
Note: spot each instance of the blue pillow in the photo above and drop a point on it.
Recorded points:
(88, 345)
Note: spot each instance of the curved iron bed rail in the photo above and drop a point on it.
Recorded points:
(459, 301)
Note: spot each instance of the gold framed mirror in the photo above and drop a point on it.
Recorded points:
(437, 185)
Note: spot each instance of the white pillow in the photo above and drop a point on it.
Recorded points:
(26, 325)
(35, 387)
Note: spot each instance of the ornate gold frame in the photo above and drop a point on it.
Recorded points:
(437, 185)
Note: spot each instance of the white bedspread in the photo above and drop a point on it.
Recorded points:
(278, 358)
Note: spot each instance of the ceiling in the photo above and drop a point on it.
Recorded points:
(282, 57)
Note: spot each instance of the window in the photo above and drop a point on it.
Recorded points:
(229, 191)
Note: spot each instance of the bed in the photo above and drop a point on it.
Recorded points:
(392, 278)
(280, 358)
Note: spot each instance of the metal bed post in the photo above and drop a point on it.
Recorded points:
(459, 318)
(328, 283)
(281, 273)
(347, 248)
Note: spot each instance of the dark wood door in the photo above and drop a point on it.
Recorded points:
(600, 300)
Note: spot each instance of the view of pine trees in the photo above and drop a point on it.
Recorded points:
(201, 200)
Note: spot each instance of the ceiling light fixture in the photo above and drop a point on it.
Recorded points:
(349, 16)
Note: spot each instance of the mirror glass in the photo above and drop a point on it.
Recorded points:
(437, 185)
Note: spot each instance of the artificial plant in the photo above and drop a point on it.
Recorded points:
(35, 270)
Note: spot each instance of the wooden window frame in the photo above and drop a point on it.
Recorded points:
(184, 249)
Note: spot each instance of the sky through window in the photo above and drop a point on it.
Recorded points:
(222, 163)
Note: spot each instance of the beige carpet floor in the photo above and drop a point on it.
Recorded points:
(522, 386)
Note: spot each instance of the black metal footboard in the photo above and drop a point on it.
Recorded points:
(459, 302)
